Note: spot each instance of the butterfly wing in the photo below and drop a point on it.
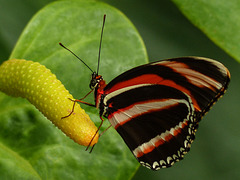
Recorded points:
(156, 107)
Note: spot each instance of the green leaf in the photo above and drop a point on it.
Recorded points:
(218, 19)
(33, 147)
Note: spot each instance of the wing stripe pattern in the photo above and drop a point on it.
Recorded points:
(122, 116)
(156, 107)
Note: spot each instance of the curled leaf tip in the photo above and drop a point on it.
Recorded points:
(33, 81)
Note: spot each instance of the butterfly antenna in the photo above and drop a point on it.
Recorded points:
(100, 45)
(76, 56)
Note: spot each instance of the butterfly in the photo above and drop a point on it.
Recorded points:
(156, 108)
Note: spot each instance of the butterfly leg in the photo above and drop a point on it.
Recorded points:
(74, 102)
(79, 100)
(95, 135)
(105, 130)
(99, 135)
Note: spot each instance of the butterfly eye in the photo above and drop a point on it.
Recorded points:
(93, 84)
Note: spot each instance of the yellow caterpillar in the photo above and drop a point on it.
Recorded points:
(33, 81)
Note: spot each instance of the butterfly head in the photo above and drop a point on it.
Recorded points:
(96, 79)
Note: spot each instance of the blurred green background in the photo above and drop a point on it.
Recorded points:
(167, 33)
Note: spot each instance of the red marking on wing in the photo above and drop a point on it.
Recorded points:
(143, 79)
(159, 142)
(139, 154)
(168, 137)
(148, 150)
(176, 132)
(184, 124)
